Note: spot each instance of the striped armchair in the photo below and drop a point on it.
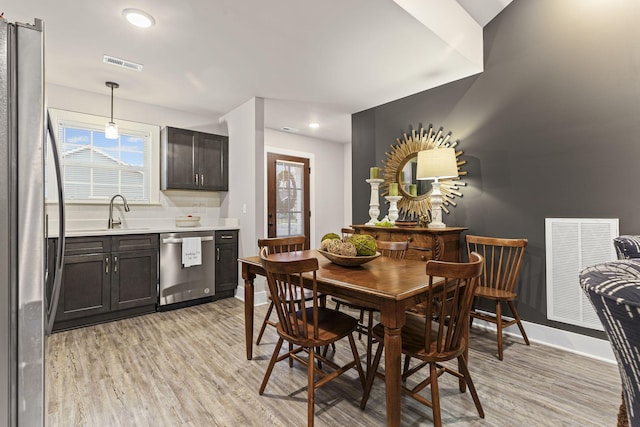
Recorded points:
(627, 247)
(614, 290)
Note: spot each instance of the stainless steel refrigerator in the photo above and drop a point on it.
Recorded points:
(27, 304)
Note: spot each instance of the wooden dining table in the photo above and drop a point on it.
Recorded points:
(387, 284)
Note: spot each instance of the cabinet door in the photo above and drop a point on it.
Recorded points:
(226, 267)
(85, 286)
(179, 159)
(134, 279)
(213, 162)
(226, 260)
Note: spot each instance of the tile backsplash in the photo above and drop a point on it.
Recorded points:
(172, 204)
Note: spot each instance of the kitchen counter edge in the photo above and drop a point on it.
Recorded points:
(142, 230)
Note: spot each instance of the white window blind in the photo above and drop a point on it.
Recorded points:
(95, 168)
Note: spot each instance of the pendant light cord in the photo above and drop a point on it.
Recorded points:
(111, 103)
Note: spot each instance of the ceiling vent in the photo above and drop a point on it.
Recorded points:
(122, 63)
(289, 129)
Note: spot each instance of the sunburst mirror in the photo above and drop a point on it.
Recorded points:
(400, 166)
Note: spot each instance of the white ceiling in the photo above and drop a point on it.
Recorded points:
(311, 60)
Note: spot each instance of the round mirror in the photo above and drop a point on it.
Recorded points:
(408, 185)
(401, 164)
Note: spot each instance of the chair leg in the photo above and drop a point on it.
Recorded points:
(356, 358)
(407, 360)
(499, 328)
(517, 317)
(319, 351)
(462, 365)
(462, 385)
(290, 357)
(371, 375)
(272, 362)
(369, 340)
(361, 322)
(435, 395)
(264, 322)
(473, 310)
(311, 387)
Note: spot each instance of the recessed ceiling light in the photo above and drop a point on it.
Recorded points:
(138, 17)
(314, 125)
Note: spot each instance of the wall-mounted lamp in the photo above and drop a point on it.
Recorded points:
(111, 128)
(436, 164)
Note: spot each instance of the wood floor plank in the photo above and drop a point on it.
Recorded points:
(187, 367)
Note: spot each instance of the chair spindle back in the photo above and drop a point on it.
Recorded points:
(452, 287)
(286, 285)
(276, 245)
(396, 250)
(503, 259)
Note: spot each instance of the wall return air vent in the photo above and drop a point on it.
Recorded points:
(122, 63)
(571, 245)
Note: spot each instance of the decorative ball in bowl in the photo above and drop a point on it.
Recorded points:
(348, 261)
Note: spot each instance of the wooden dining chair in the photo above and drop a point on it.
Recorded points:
(347, 232)
(503, 259)
(278, 245)
(434, 342)
(396, 250)
(309, 328)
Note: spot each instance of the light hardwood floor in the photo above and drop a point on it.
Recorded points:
(188, 368)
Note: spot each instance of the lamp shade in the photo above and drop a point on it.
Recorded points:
(437, 163)
(111, 130)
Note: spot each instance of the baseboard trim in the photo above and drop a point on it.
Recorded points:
(584, 345)
(569, 341)
(259, 298)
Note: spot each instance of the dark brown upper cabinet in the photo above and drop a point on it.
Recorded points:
(194, 160)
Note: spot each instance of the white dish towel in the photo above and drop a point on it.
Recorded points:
(191, 251)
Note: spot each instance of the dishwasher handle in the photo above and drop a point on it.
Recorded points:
(179, 239)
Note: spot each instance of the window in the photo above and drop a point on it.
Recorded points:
(94, 168)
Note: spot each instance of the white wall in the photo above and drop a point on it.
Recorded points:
(66, 98)
(330, 181)
(245, 200)
(249, 142)
(172, 203)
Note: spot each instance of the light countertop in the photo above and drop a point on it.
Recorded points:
(139, 230)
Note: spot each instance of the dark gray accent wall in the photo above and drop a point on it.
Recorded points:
(551, 128)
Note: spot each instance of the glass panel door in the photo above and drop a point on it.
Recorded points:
(288, 196)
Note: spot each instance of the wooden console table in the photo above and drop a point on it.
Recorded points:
(441, 244)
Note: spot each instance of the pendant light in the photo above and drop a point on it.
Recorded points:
(111, 128)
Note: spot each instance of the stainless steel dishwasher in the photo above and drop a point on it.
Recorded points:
(179, 284)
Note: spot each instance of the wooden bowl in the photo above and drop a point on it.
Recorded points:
(348, 261)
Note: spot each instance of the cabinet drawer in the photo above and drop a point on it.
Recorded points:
(419, 254)
(226, 236)
(87, 245)
(135, 242)
(424, 241)
(377, 234)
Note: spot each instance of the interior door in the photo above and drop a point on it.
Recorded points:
(288, 196)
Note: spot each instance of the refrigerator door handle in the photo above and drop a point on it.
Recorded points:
(57, 275)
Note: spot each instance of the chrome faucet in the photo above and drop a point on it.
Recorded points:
(113, 222)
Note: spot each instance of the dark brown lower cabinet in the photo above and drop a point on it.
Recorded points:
(226, 263)
(106, 278)
(134, 279)
(85, 287)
